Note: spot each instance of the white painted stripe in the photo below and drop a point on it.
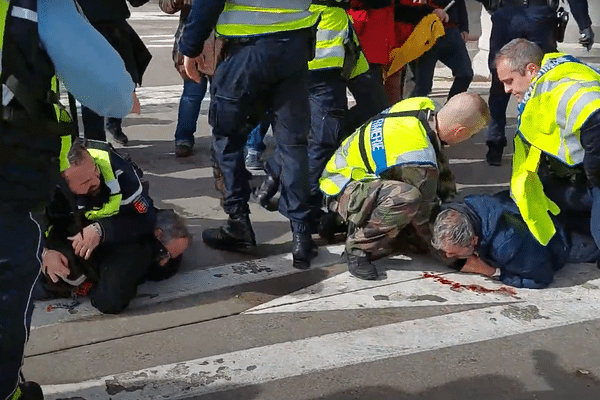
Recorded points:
(409, 289)
(191, 283)
(283, 360)
(465, 161)
(191, 174)
(152, 16)
(157, 36)
(461, 186)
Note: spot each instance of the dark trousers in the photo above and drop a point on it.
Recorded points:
(19, 270)
(451, 50)
(328, 103)
(121, 268)
(370, 97)
(93, 124)
(534, 23)
(579, 205)
(268, 72)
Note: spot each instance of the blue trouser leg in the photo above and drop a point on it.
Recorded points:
(370, 97)
(595, 220)
(453, 53)
(257, 135)
(272, 70)
(534, 23)
(423, 72)
(581, 14)
(189, 110)
(328, 103)
(19, 270)
(93, 125)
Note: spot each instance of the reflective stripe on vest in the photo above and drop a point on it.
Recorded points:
(383, 148)
(258, 17)
(563, 96)
(110, 208)
(332, 33)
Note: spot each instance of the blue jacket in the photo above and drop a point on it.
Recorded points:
(506, 243)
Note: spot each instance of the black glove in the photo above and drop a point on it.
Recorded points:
(586, 38)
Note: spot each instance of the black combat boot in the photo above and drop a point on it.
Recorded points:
(28, 391)
(494, 154)
(361, 267)
(236, 234)
(266, 191)
(304, 250)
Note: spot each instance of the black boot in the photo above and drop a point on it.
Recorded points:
(28, 391)
(236, 234)
(494, 154)
(266, 191)
(304, 250)
(361, 267)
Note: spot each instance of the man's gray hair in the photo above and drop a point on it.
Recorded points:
(77, 153)
(520, 53)
(171, 225)
(451, 227)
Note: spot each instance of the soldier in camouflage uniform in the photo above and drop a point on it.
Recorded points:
(389, 175)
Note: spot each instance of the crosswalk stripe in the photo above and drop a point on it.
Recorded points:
(331, 351)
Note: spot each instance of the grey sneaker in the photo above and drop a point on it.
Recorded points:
(253, 161)
(119, 136)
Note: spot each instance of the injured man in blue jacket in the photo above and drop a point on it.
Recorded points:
(486, 235)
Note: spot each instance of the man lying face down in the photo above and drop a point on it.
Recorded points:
(486, 235)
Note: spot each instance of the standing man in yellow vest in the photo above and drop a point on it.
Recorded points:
(269, 46)
(392, 172)
(556, 164)
(338, 59)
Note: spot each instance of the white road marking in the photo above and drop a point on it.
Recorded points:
(187, 284)
(331, 351)
(152, 16)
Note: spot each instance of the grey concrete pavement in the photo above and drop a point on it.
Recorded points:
(228, 308)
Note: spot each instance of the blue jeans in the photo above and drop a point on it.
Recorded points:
(534, 23)
(19, 270)
(581, 14)
(370, 97)
(265, 72)
(189, 110)
(451, 50)
(257, 135)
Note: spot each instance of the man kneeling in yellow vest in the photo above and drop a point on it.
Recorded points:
(556, 164)
(391, 174)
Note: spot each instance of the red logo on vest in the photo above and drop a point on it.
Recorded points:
(141, 205)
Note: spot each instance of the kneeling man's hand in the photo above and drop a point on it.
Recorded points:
(55, 265)
(86, 241)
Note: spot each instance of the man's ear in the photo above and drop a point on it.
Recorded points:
(158, 233)
(475, 240)
(532, 69)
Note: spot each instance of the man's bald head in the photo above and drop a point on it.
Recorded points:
(462, 116)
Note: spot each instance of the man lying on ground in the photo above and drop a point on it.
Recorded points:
(487, 235)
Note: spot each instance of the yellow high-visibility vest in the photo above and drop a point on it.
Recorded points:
(258, 17)
(559, 101)
(379, 145)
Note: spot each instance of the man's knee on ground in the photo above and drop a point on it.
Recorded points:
(109, 304)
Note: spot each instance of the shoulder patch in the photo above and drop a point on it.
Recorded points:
(141, 204)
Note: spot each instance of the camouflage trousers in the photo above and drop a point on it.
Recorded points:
(376, 212)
